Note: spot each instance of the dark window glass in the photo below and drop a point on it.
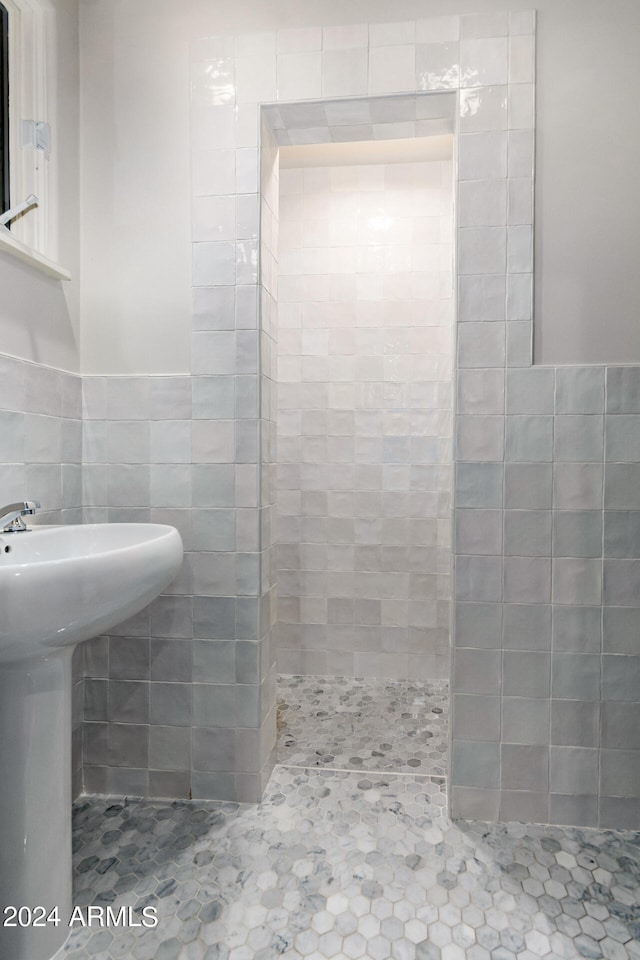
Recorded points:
(4, 109)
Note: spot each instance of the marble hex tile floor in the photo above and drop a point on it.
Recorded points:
(341, 864)
(395, 726)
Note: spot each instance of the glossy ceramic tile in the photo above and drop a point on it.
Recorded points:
(364, 418)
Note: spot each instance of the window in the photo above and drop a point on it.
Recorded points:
(28, 166)
(4, 108)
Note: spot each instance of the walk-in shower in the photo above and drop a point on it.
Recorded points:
(365, 361)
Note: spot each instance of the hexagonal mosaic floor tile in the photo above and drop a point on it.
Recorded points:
(344, 723)
(351, 864)
(334, 865)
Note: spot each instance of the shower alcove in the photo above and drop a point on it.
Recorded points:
(364, 430)
(377, 306)
(354, 449)
(364, 409)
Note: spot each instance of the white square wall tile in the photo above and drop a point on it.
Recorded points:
(214, 353)
(213, 441)
(481, 345)
(482, 156)
(437, 66)
(128, 398)
(246, 118)
(127, 441)
(213, 263)
(483, 109)
(212, 127)
(255, 79)
(480, 438)
(519, 296)
(213, 308)
(247, 170)
(391, 69)
(484, 62)
(521, 106)
(213, 172)
(170, 441)
(520, 203)
(520, 249)
(521, 59)
(213, 218)
(482, 250)
(482, 203)
(519, 342)
(299, 76)
(247, 216)
(170, 485)
(246, 261)
(345, 72)
(212, 82)
(521, 156)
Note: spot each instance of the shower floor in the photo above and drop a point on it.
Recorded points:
(391, 726)
(342, 864)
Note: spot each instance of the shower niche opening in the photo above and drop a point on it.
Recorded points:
(357, 346)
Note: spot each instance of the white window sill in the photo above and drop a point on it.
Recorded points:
(15, 248)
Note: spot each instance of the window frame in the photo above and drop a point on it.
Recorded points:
(5, 186)
(33, 236)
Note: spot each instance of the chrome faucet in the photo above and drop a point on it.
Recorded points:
(11, 516)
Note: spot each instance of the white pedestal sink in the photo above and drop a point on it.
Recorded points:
(58, 586)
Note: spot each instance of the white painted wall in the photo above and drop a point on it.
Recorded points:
(39, 318)
(135, 168)
(136, 252)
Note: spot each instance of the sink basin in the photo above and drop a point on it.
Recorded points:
(58, 585)
(63, 584)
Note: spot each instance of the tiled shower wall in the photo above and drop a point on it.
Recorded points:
(365, 419)
(41, 459)
(547, 662)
